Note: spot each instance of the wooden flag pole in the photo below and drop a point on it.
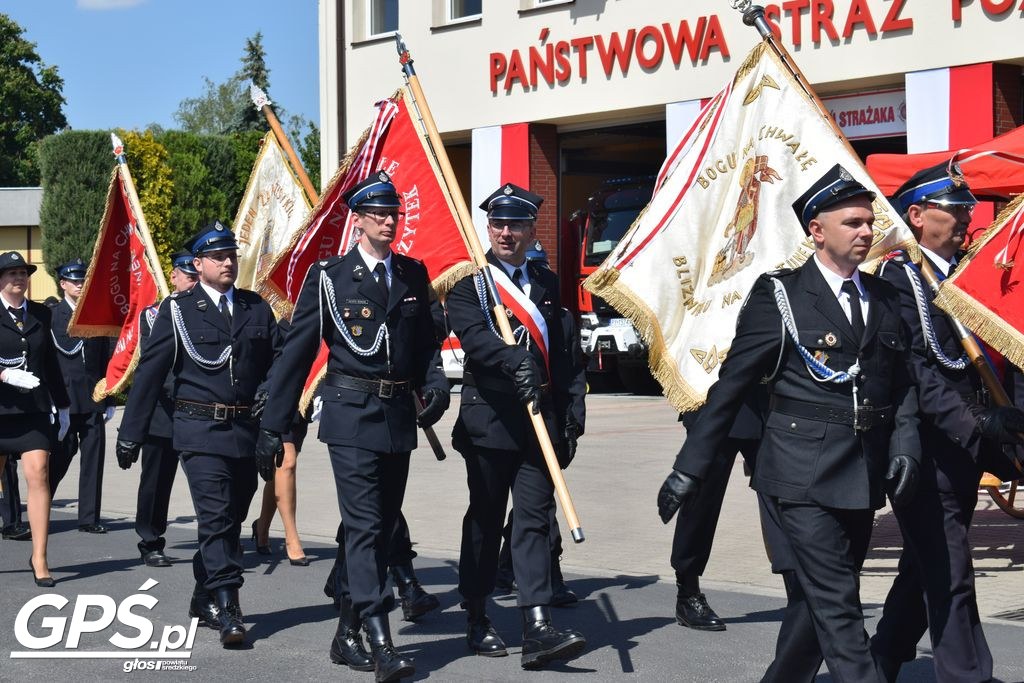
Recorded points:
(133, 199)
(753, 15)
(465, 223)
(262, 104)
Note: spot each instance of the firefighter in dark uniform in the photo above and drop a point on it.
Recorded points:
(83, 362)
(497, 441)
(219, 343)
(961, 437)
(372, 308)
(841, 420)
(159, 459)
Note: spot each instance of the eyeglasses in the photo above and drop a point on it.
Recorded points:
(221, 256)
(384, 215)
(952, 209)
(498, 226)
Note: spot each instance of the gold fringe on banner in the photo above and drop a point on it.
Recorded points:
(100, 391)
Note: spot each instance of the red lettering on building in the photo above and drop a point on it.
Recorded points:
(615, 50)
(684, 37)
(793, 9)
(821, 18)
(649, 35)
(893, 22)
(859, 14)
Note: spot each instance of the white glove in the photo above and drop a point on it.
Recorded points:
(22, 379)
(318, 406)
(108, 414)
(64, 418)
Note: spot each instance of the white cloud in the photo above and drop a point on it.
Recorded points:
(103, 5)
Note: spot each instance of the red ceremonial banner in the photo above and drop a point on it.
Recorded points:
(118, 286)
(984, 292)
(396, 144)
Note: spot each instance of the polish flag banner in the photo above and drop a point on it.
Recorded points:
(119, 285)
(983, 292)
(397, 144)
(525, 311)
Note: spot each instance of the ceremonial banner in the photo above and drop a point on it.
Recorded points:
(395, 143)
(119, 285)
(720, 216)
(984, 291)
(272, 212)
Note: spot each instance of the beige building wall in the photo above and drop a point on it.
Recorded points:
(19, 231)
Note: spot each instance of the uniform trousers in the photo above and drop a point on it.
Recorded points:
(491, 474)
(222, 489)
(554, 540)
(934, 589)
(400, 551)
(10, 499)
(829, 546)
(92, 443)
(159, 467)
(371, 488)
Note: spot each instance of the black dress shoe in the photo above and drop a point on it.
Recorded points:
(561, 595)
(42, 582)
(17, 532)
(156, 558)
(693, 611)
(261, 549)
(480, 635)
(92, 528)
(205, 609)
(388, 664)
(347, 646)
(415, 601)
(543, 643)
(232, 630)
(301, 562)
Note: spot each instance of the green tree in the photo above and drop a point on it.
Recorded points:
(214, 111)
(254, 70)
(305, 138)
(31, 105)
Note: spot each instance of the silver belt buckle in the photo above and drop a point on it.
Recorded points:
(220, 412)
(387, 389)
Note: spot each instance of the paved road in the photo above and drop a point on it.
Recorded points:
(621, 570)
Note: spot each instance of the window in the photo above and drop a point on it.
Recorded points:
(461, 9)
(527, 5)
(383, 16)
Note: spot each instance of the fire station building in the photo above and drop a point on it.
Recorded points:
(562, 96)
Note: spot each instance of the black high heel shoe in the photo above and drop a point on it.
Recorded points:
(301, 562)
(45, 582)
(261, 549)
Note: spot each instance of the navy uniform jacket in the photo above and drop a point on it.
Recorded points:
(83, 368)
(254, 340)
(351, 417)
(163, 415)
(494, 418)
(35, 341)
(948, 435)
(800, 459)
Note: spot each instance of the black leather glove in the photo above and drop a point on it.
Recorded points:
(259, 402)
(679, 492)
(127, 452)
(435, 402)
(902, 479)
(529, 381)
(567, 450)
(1004, 424)
(269, 453)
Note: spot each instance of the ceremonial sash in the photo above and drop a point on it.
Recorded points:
(525, 311)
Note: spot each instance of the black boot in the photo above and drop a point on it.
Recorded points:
(480, 635)
(561, 594)
(692, 608)
(204, 608)
(331, 587)
(415, 601)
(543, 643)
(347, 646)
(232, 630)
(388, 665)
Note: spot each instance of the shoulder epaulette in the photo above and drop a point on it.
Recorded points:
(779, 272)
(182, 295)
(330, 262)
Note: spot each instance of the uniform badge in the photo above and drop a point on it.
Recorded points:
(845, 175)
(201, 304)
(346, 313)
(383, 177)
(831, 339)
(323, 263)
(357, 330)
(508, 312)
(366, 312)
(821, 356)
(357, 272)
(508, 190)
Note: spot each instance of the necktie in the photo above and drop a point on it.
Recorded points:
(382, 279)
(856, 316)
(517, 279)
(224, 309)
(18, 314)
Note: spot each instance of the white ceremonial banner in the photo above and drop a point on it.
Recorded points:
(273, 208)
(720, 216)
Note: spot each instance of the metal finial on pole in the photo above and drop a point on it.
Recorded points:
(259, 98)
(753, 15)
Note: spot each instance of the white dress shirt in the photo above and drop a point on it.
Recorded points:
(835, 282)
(215, 296)
(945, 267)
(371, 262)
(524, 279)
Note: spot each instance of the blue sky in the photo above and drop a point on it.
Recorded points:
(128, 63)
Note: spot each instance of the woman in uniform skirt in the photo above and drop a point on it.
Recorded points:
(31, 393)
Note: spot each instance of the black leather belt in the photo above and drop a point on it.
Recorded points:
(499, 384)
(384, 388)
(221, 412)
(868, 417)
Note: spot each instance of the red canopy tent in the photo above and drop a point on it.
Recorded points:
(993, 169)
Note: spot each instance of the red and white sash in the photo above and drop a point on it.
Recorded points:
(515, 300)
